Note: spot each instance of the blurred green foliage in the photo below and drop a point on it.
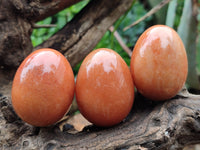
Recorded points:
(198, 41)
(108, 40)
(179, 10)
(129, 37)
(60, 19)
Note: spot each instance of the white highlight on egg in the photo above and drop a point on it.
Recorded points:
(154, 34)
(107, 59)
(37, 60)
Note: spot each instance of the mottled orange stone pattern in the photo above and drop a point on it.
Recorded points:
(159, 63)
(43, 87)
(104, 88)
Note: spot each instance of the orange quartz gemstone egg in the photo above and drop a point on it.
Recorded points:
(159, 63)
(43, 87)
(104, 88)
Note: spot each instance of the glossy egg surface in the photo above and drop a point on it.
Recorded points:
(43, 87)
(104, 88)
(159, 63)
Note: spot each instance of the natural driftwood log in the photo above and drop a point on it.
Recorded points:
(153, 125)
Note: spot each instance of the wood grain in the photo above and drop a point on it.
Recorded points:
(171, 124)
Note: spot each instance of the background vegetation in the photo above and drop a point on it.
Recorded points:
(130, 36)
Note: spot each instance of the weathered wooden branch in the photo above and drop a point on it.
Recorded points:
(46, 9)
(82, 34)
(153, 125)
(36, 10)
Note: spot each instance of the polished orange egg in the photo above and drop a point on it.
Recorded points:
(43, 87)
(104, 88)
(159, 63)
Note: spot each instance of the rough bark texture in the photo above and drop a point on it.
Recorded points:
(16, 20)
(14, 39)
(150, 125)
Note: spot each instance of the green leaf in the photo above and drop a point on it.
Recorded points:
(188, 32)
(171, 13)
(61, 21)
